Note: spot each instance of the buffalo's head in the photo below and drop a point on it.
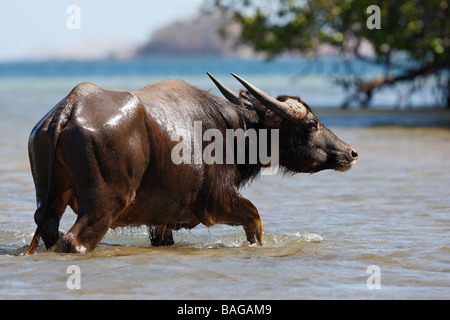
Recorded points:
(305, 144)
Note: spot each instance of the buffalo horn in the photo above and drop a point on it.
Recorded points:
(227, 93)
(290, 111)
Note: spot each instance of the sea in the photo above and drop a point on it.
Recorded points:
(378, 231)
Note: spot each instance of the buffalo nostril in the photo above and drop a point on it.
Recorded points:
(354, 154)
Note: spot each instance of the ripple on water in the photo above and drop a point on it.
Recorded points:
(132, 241)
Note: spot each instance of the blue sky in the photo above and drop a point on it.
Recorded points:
(28, 26)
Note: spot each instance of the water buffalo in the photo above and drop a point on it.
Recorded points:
(108, 154)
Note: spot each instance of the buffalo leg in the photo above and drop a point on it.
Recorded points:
(47, 216)
(252, 222)
(85, 235)
(244, 213)
(50, 232)
(96, 212)
(160, 235)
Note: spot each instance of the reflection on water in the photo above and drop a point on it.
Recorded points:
(322, 231)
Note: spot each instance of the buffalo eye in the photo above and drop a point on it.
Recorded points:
(313, 125)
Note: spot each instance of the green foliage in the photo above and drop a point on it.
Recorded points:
(414, 37)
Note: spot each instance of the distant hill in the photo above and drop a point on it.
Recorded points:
(87, 49)
(198, 36)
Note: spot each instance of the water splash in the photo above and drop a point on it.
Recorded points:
(14, 243)
(200, 239)
(309, 237)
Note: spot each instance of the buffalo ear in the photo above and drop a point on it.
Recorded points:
(246, 99)
(292, 109)
(268, 118)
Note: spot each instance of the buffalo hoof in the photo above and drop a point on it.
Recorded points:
(58, 246)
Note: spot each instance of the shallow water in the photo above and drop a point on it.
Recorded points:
(321, 231)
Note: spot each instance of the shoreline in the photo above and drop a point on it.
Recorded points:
(377, 117)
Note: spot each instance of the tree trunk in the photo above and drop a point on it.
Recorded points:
(368, 87)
